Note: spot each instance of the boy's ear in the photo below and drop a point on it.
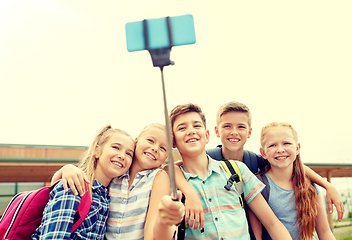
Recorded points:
(217, 131)
(207, 135)
(262, 152)
(249, 133)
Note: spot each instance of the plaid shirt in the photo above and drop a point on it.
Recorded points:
(59, 213)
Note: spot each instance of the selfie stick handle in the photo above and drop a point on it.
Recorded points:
(161, 58)
(169, 144)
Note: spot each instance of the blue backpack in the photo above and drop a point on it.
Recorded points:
(249, 158)
(264, 180)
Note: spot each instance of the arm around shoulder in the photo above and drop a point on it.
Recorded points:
(194, 211)
(321, 224)
(332, 196)
(163, 212)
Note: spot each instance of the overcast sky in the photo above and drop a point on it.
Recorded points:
(65, 70)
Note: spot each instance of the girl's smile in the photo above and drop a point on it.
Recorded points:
(280, 148)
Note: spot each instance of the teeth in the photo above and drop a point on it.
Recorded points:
(192, 140)
(234, 140)
(150, 155)
(281, 158)
(117, 164)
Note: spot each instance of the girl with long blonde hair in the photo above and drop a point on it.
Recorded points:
(110, 155)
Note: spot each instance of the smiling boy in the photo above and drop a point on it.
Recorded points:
(224, 216)
(233, 127)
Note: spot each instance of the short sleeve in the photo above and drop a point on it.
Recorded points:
(252, 185)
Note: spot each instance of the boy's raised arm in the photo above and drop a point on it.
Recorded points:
(194, 214)
(266, 216)
(73, 176)
(332, 196)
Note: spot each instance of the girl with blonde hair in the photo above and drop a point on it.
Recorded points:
(110, 155)
(136, 194)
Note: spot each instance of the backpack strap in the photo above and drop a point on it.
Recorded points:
(215, 153)
(181, 229)
(82, 210)
(251, 160)
(264, 180)
(231, 168)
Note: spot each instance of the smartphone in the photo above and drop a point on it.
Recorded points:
(182, 32)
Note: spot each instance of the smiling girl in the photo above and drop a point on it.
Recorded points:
(135, 195)
(109, 156)
(293, 198)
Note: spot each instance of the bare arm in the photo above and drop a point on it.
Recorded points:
(255, 224)
(321, 224)
(266, 216)
(194, 215)
(73, 176)
(163, 212)
(332, 196)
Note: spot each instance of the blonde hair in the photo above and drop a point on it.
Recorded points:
(233, 107)
(88, 162)
(304, 190)
(152, 125)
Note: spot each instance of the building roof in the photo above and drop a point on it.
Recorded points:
(38, 163)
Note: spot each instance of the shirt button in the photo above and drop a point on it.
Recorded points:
(203, 182)
(216, 219)
(209, 199)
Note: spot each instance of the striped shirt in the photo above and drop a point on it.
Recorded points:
(129, 205)
(224, 216)
(59, 214)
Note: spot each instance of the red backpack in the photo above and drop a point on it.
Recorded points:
(24, 213)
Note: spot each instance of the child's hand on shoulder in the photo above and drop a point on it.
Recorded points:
(194, 210)
(75, 178)
(333, 197)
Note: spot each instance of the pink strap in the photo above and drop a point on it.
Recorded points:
(83, 209)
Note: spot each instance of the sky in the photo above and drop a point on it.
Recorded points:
(65, 70)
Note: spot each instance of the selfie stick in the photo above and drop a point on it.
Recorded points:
(161, 58)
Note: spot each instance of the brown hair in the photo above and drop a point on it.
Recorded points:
(304, 190)
(233, 107)
(88, 162)
(186, 108)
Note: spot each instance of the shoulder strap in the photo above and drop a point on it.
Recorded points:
(251, 160)
(264, 180)
(231, 168)
(215, 153)
(181, 229)
(82, 210)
